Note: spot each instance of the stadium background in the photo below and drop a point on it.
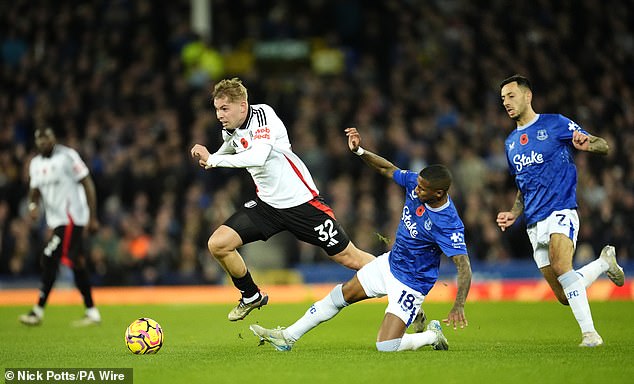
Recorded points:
(127, 84)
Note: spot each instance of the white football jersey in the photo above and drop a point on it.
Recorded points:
(283, 181)
(57, 177)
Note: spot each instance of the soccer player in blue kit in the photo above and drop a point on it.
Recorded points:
(429, 227)
(539, 153)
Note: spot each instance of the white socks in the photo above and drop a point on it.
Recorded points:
(591, 271)
(323, 310)
(249, 300)
(575, 291)
(39, 311)
(93, 313)
(413, 341)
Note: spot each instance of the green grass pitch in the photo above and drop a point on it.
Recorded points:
(505, 342)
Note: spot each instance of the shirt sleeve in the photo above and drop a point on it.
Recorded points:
(78, 168)
(224, 149)
(400, 177)
(452, 241)
(566, 127)
(255, 156)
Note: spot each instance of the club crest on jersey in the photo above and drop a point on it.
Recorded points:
(524, 139)
(427, 224)
(542, 134)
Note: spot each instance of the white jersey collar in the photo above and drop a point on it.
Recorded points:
(439, 208)
(522, 127)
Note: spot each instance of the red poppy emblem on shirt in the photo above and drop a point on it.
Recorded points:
(244, 142)
(524, 139)
(420, 210)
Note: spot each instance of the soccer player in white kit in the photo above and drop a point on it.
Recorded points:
(287, 199)
(539, 153)
(60, 183)
(429, 227)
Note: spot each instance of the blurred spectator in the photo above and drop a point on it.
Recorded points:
(202, 63)
(128, 84)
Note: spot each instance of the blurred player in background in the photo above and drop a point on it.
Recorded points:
(287, 199)
(60, 183)
(429, 227)
(540, 156)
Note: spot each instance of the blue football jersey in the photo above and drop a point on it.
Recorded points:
(423, 235)
(540, 157)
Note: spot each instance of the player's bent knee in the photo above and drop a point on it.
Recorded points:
(388, 345)
(217, 247)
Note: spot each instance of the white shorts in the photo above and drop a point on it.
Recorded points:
(565, 222)
(377, 281)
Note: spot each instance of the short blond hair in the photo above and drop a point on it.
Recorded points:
(232, 89)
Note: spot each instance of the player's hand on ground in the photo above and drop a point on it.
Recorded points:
(456, 318)
(505, 220)
(354, 138)
(200, 153)
(580, 141)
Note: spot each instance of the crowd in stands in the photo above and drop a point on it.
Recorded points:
(127, 83)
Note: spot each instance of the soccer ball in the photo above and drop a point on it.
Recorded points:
(144, 336)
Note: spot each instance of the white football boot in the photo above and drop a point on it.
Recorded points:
(615, 272)
(591, 339)
(92, 317)
(441, 343)
(273, 336)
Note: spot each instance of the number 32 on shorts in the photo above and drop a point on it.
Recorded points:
(327, 232)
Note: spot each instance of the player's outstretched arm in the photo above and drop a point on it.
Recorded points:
(456, 316)
(590, 143)
(255, 156)
(383, 166)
